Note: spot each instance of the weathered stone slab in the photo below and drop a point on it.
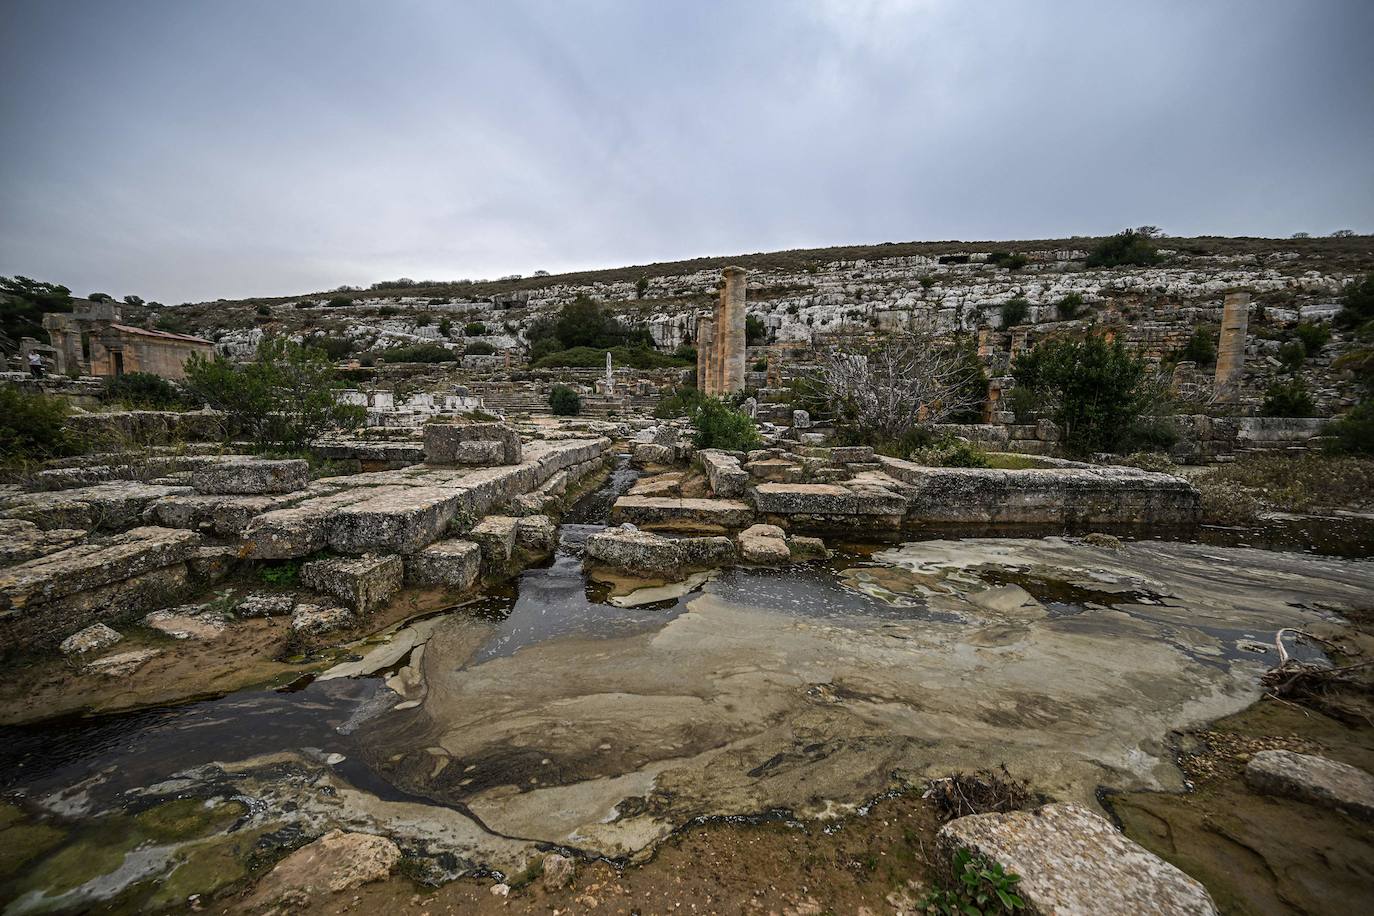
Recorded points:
(250, 476)
(362, 583)
(723, 472)
(452, 563)
(707, 552)
(227, 516)
(298, 530)
(448, 443)
(668, 484)
(1075, 863)
(536, 532)
(317, 619)
(123, 664)
(1313, 779)
(108, 506)
(764, 544)
(401, 519)
(192, 622)
(88, 566)
(265, 606)
(646, 454)
(848, 454)
(805, 499)
(22, 540)
(682, 514)
(639, 552)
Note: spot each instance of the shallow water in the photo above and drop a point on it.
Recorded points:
(543, 714)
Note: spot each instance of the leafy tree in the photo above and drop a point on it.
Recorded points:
(285, 397)
(23, 302)
(720, 426)
(1095, 390)
(33, 427)
(1287, 399)
(1292, 354)
(564, 401)
(1015, 311)
(1201, 348)
(100, 297)
(1343, 234)
(1301, 235)
(1125, 249)
(331, 346)
(641, 287)
(1354, 432)
(755, 331)
(474, 329)
(133, 300)
(264, 311)
(423, 320)
(445, 326)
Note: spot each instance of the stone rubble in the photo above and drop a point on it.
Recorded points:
(95, 637)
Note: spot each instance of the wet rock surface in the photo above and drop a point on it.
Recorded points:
(1073, 862)
(1312, 779)
(336, 862)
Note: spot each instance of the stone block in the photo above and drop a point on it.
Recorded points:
(318, 619)
(122, 664)
(723, 472)
(452, 563)
(495, 534)
(212, 564)
(845, 454)
(682, 514)
(22, 540)
(1312, 779)
(536, 533)
(806, 548)
(253, 476)
(89, 566)
(363, 583)
(640, 552)
(265, 606)
(444, 443)
(763, 544)
(92, 639)
(400, 519)
(191, 622)
(646, 454)
(1073, 861)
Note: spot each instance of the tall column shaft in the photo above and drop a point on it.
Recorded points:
(1235, 317)
(730, 329)
(706, 348)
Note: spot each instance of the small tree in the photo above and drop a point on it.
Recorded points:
(641, 287)
(283, 398)
(1287, 399)
(474, 329)
(1015, 311)
(1357, 302)
(1094, 390)
(100, 297)
(564, 401)
(1129, 248)
(720, 426)
(755, 331)
(23, 303)
(905, 381)
(32, 427)
(143, 390)
(133, 300)
(1070, 306)
(1201, 347)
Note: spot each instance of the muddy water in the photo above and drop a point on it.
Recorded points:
(542, 714)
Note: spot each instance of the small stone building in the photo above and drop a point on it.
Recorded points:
(92, 341)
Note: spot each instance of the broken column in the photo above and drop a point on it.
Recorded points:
(706, 345)
(730, 336)
(1231, 349)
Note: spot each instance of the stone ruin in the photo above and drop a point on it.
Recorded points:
(721, 340)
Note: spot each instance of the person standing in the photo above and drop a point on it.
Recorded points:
(35, 364)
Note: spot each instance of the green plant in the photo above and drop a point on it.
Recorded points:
(280, 574)
(1069, 307)
(760, 365)
(1357, 304)
(681, 402)
(927, 282)
(1313, 336)
(445, 325)
(284, 397)
(23, 302)
(641, 287)
(1008, 260)
(980, 888)
(686, 353)
(387, 311)
(1291, 355)
(755, 331)
(338, 302)
(564, 401)
(264, 311)
(474, 329)
(1287, 399)
(1023, 402)
(1129, 248)
(423, 320)
(1015, 311)
(478, 348)
(418, 353)
(143, 390)
(1095, 390)
(1201, 348)
(333, 347)
(1354, 432)
(950, 453)
(721, 426)
(32, 427)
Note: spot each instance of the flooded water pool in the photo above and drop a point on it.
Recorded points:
(541, 714)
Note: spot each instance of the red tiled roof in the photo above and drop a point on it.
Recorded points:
(165, 335)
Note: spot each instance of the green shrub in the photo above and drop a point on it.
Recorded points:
(283, 398)
(143, 390)
(418, 353)
(641, 287)
(1313, 336)
(478, 348)
(339, 302)
(583, 323)
(927, 282)
(720, 426)
(1125, 249)
(33, 427)
(681, 402)
(474, 329)
(1008, 260)
(760, 365)
(387, 311)
(1023, 402)
(333, 347)
(564, 401)
(1015, 311)
(1354, 432)
(755, 331)
(1095, 390)
(423, 320)
(1150, 434)
(1287, 399)
(686, 353)
(445, 326)
(1357, 303)
(981, 888)
(950, 453)
(1292, 354)
(23, 302)
(264, 311)
(1069, 307)
(1201, 348)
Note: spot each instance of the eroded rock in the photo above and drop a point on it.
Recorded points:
(336, 862)
(250, 476)
(1313, 779)
(92, 639)
(364, 583)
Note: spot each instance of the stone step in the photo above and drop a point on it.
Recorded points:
(668, 513)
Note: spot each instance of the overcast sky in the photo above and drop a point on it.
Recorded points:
(187, 150)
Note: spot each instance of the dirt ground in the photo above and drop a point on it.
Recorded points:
(872, 862)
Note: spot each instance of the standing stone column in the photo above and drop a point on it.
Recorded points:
(730, 330)
(706, 346)
(1235, 316)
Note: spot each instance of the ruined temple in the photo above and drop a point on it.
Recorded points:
(721, 338)
(91, 340)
